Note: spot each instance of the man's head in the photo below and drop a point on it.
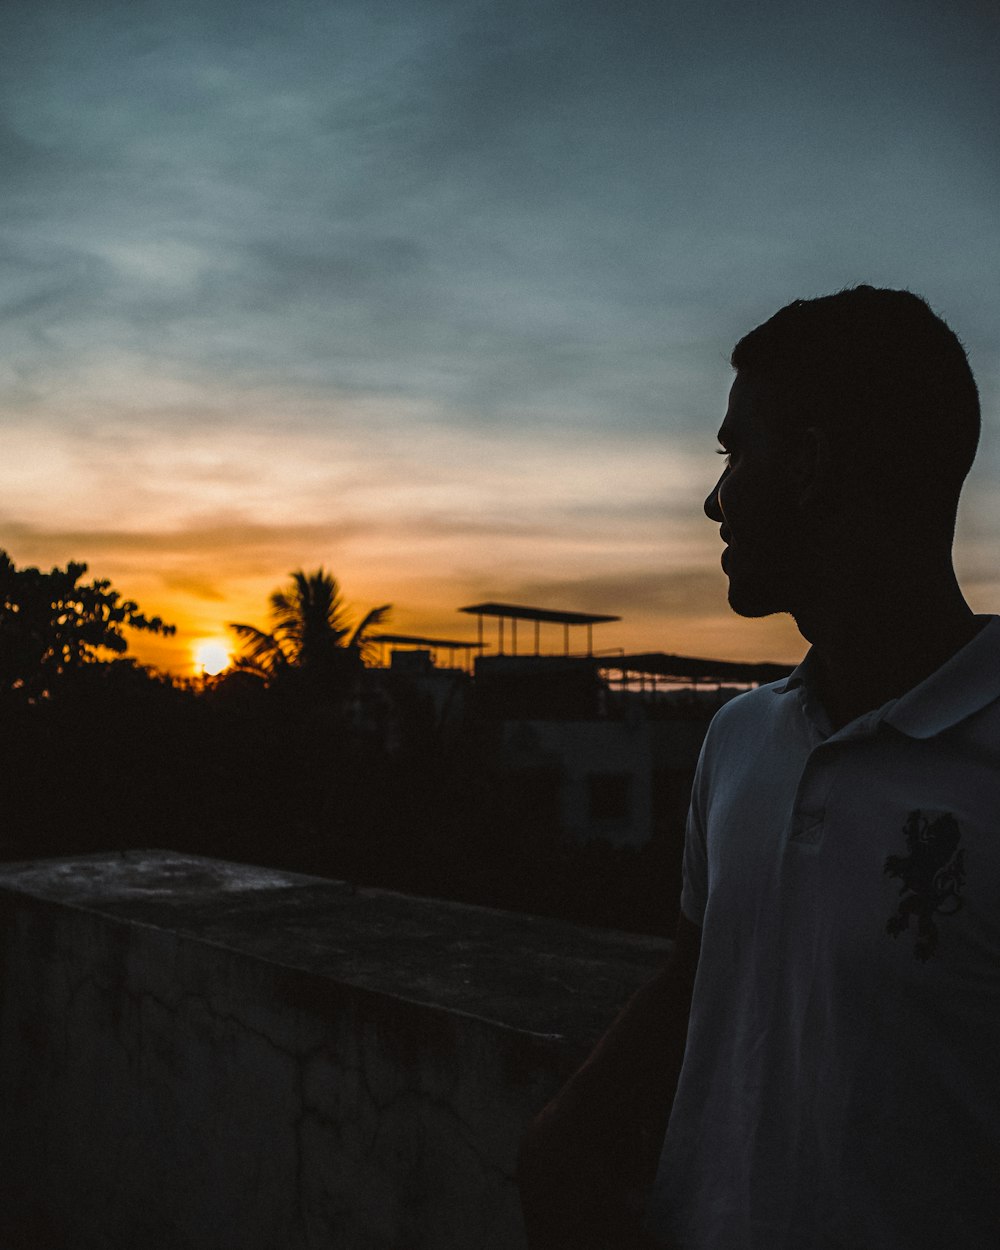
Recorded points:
(853, 419)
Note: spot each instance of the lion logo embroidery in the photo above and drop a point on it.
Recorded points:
(932, 875)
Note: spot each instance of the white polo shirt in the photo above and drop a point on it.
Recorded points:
(841, 1084)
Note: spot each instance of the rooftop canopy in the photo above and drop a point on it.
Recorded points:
(517, 612)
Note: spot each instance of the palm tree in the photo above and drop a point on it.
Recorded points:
(310, 636)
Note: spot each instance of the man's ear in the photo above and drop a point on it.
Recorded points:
(812, 469)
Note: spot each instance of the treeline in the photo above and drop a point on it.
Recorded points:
(245, 772)
(109, 757)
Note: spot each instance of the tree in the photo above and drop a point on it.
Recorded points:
(311, 639)
(52, 627)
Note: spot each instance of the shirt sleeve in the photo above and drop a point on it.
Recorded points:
(694, 892)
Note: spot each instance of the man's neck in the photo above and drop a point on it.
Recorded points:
(870, 649)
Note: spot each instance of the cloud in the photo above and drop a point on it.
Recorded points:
(536, 216)
(231, 546)
(444, 293)
(649, 592)
(196, 587)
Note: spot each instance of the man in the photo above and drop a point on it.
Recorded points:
(825, 1042)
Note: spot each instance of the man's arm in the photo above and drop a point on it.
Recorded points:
(599, 1139)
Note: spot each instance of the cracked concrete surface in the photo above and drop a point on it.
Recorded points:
(205, 1056)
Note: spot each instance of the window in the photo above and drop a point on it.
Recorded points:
(609, 798)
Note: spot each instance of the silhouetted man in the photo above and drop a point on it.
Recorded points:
(824, 1047)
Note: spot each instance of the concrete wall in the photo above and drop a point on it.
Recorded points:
(198, 1056)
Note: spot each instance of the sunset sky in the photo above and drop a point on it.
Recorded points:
(440, 295)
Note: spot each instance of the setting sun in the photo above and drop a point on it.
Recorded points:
(212, 656)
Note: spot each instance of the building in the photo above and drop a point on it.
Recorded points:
(595, 744)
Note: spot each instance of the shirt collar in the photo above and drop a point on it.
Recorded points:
(963, 685)
(801, 675)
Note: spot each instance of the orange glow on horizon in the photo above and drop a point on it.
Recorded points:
(201, 648)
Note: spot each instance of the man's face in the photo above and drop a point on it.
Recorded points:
(754, 502)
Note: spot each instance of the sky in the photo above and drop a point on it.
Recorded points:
(440, 296)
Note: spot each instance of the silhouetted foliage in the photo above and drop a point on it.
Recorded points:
(311, 642)
(53, 627)
(249, 766)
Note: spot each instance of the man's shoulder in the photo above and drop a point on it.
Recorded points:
(758, 704)
(756, 715)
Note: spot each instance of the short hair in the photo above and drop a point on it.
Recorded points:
(884, 376)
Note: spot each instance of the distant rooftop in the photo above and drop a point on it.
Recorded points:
(518, 612)
(515, 612)
(680, 669)
(691, 669)
(415, 640)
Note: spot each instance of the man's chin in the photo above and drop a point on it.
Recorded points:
(753, 602)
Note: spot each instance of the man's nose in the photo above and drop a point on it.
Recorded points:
(712, 509)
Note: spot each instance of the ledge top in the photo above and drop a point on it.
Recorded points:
(526, 972)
